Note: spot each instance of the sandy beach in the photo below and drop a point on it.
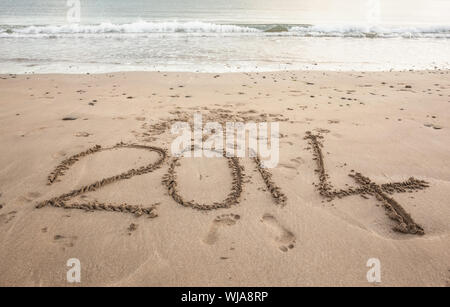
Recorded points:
(306, 222)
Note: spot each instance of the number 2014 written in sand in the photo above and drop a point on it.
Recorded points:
(364, 187)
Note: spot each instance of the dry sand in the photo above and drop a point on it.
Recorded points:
(303, 223)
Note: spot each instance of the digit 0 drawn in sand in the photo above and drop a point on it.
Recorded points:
(405, 223)
(170, 181)
(62, 201)
(220, 221)
(282, 237)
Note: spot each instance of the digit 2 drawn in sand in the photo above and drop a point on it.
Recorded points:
(62, 200)
(405, 223)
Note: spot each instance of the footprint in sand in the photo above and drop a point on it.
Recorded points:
(5, 218)
(282, 237)
(30, 196)
(221, 220)
(66, 242)
(59, 154)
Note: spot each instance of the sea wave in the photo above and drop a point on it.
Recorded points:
(136, 27)
(373, 31)
(198, 27)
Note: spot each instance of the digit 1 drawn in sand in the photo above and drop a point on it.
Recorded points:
(405, 223)
(278, 196)
(62, 200)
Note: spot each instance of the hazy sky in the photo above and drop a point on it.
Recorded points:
(241, 11)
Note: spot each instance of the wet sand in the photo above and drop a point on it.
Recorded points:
(86, 172)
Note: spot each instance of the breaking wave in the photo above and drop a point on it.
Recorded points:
(373, 31)
(197, 27)
(136, 27)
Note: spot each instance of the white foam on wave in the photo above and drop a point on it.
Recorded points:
(368, 30)
(204, 28)
(136, 27)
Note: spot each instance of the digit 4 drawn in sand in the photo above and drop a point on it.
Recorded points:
(405, 223)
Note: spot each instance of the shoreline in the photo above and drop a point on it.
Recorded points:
(444, 70)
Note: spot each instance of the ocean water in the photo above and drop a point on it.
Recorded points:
(79, 36)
